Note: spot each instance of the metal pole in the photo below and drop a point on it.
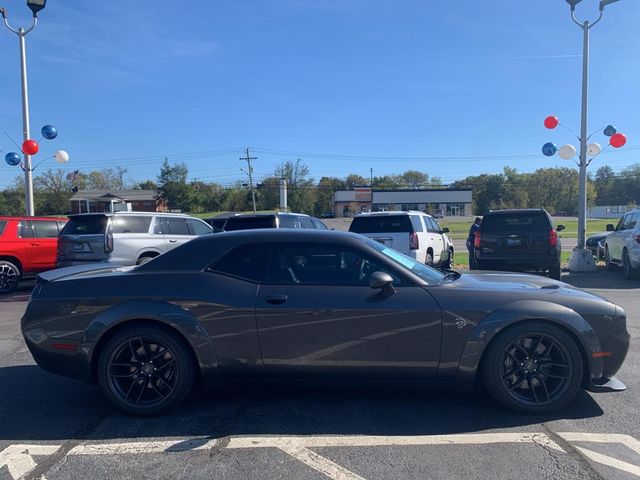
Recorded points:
(28, 175)
(582, 199)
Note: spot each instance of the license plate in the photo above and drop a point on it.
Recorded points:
(78, 246)
(513, 242)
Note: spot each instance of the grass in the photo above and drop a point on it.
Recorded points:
(460, 230)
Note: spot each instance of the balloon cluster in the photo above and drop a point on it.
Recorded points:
(567, 152)
(31, 147)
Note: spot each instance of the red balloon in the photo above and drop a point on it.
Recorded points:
(30, 147)
(551, 122)
(618, 140)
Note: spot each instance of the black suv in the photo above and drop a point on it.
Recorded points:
(518, 240)
(273, 220)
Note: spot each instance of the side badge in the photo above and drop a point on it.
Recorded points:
(461, 323)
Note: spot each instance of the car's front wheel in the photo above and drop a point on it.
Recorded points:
(555, 271)
(533, 367)
(607, 260)
(9, 276)
(145, 370)
(630, 273)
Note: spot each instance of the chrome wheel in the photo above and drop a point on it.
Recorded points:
(142, 372)
(536, 369)
(9, 277)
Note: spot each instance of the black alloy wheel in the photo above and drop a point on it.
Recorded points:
(9, 277)
(145, 370)
(533, 368)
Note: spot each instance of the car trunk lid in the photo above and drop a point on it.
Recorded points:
(393, 231)
(84, 238)
(515, 234)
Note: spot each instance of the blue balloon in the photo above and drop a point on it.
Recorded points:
(12, 158)
(49, 132)
(549, 149)
(610, 131)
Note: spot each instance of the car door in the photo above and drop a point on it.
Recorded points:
(316, 315)
(628, 231)
(173, 229)
(42, 239)
(435, 238)
(614, 241)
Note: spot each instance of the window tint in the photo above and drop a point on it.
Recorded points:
(287, 222)
(3, 225)
(197, 227)
(85, 225)
(130, 224)
(432, 225)
(620, 224)
(177, 226)
(61, 224)
(247, 223)
(319, 225)
(504, 223)
(631, 220)
(25, 230)
(381, 223)
(417, 224)
(44, 229)
(320, 264)
(248, 262)
(306, 222)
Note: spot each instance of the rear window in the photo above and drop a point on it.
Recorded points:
(3, 225)
(85, 225)
(248, 223)
(130, 224)
(381, 223)
(515, 222)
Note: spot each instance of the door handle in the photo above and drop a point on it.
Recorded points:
(173, 241)
(275, 299)
(35, 244)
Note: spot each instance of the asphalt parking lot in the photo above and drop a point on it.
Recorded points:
(59, 429)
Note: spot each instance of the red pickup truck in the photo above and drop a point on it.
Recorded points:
(27, 246)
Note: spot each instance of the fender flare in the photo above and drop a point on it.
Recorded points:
(527, 310)
(169, 314)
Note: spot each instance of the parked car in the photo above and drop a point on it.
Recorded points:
(273, 220)
(124, 238)
(319, 304)
(218, 222)
(592, 243)
(518, 240)
(622, 247)
(438, 213)
(413, 233)
(27, 246)
(327, 214)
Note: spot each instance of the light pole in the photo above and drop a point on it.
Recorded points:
(35, 6)
(582, 198)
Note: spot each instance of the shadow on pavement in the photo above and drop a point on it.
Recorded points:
(35, 405)
(602, 279)
(20, 294)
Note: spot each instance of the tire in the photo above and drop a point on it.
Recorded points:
(428, 259)
(607, 259)
(126, 363)
(555, 271)
(448, 263)
(10, 276)
(538, 384)
(143, 260)
(629, 272)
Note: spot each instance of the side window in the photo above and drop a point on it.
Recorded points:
(3, 225)
(417, 224)
(44, 229)
(177, 226)
(306, 222)
(432, 225)
(130, 224)
(160, 226)
(319, 225)
(622, 222)
(288, 222)
(197, 227)
(24, 229)
(248, 262)
(631, 220)
(321, 264)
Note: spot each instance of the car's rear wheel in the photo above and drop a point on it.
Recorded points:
(630, 273)
(448, 263)
(607, 260)
(9, 276)
(143, 260)
(144, 370)
(428, 259)
(533, 367)
(555, 271)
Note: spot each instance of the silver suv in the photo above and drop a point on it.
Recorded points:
(124, 238)
(622, 246)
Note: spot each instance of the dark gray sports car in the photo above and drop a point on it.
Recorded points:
(311, 304)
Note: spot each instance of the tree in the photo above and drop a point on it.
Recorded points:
(300, 188)
(327, 187)
(353, 180)
(172, 182)
(415, 179)
(54, 191)
(146, 185)
(269, 193)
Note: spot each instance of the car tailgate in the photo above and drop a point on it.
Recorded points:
(515, 236)
(397, 240)
(81, 248)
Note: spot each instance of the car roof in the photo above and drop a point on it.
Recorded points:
(516, 210)
(402, 212)
(278, 214)
(7, 217)
(111, 214)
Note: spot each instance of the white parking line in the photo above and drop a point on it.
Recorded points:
(610, 461)
(320, 463)
(19, 460)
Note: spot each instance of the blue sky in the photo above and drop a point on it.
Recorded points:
(346, 85)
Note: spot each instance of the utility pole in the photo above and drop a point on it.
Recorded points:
(249, 171)
(371, 177)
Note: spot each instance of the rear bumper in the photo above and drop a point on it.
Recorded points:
(516, 261)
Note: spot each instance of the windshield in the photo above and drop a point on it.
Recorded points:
(428, 274)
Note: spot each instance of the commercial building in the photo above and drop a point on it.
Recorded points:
(89, 201)
(449, 201)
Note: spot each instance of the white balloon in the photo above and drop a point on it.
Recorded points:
(62, 156)
(567, 152)
(594, 149)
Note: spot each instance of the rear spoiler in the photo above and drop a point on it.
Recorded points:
(61, 273)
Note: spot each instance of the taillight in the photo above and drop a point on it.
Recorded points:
(553, 238)
(637, 238)
(414, 244)
(108, 240)
(477, 242)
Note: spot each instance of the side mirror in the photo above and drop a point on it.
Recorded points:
(444, 230)
(610, 227)
(382, 281)
(559, 228)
